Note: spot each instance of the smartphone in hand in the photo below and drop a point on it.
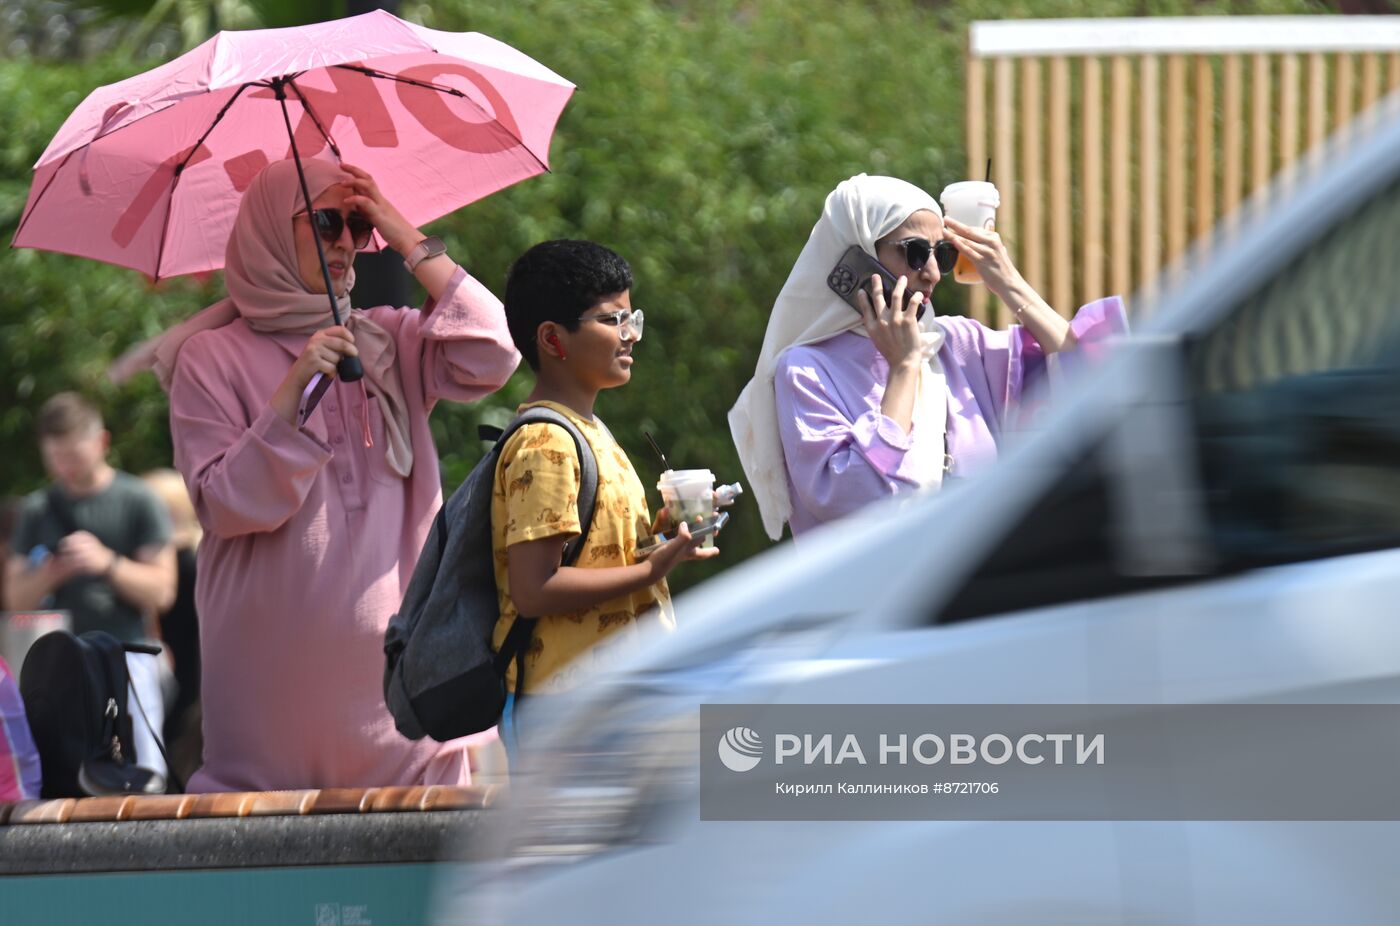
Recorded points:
(852, 274)
(311, 397)
(649, 545)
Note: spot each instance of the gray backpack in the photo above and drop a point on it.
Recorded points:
(441, 677)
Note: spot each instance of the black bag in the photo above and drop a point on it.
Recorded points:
(441, 677)
(74, 691)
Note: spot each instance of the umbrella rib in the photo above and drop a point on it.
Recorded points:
(30, 211)
(126, 125)
(315, 119)
(180, 169)
(371, 72)
(428, 85)
(165, 227)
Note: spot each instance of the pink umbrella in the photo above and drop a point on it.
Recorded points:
(147, 173)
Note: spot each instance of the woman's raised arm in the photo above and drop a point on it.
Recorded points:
(988, 252)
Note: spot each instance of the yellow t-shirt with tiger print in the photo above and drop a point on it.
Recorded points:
(536, 496)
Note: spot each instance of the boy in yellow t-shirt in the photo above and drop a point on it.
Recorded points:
(569, 308)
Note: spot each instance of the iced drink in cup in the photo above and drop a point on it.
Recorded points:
(689, 496)
(971, 202)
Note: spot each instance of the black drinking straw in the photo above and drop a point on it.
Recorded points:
(657, 447)
(989, 170)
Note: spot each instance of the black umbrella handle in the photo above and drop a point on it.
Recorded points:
(349, 369)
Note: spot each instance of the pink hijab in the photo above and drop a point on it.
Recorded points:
(265, 289)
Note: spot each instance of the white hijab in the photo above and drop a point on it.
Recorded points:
(861, 210)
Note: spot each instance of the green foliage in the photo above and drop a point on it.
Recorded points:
(700, 145)
(59, 29)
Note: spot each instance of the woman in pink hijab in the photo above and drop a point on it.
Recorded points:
(311, 532)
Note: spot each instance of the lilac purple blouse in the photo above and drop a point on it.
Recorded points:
(842, 453)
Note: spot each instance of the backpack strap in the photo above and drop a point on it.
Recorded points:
(588, 470)
(587, 498)
(522, 629)
(514, 647)
(440, 528)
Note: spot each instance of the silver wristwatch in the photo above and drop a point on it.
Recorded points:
(428, 247)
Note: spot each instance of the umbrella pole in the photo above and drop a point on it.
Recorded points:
(348, 369)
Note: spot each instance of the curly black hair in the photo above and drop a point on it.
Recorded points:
(557, 281)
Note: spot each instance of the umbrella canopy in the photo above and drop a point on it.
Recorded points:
(147, 173)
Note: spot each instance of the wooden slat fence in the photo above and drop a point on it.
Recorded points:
(1117, 143)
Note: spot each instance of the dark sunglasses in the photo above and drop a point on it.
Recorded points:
(917, 251)
(329, 223)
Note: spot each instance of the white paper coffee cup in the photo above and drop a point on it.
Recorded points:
(974, 203)
(689, 496)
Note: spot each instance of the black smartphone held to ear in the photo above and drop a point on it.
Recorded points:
(852, 273)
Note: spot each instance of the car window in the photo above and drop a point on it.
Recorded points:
(1297, 399)
(1295, 430)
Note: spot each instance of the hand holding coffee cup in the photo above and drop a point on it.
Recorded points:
(689, 497)
(969, 222)
(987, 254)
(970, 203)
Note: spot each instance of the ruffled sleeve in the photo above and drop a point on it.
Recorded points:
(1007, 367)
(1093, 326)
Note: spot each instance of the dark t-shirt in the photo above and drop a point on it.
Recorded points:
(127, 517)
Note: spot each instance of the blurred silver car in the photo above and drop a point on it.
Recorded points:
(1212, 517)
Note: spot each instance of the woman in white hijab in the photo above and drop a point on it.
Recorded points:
(848, 408)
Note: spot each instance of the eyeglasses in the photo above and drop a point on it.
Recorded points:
(329, 223)
(917, 252)
(622, 318)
